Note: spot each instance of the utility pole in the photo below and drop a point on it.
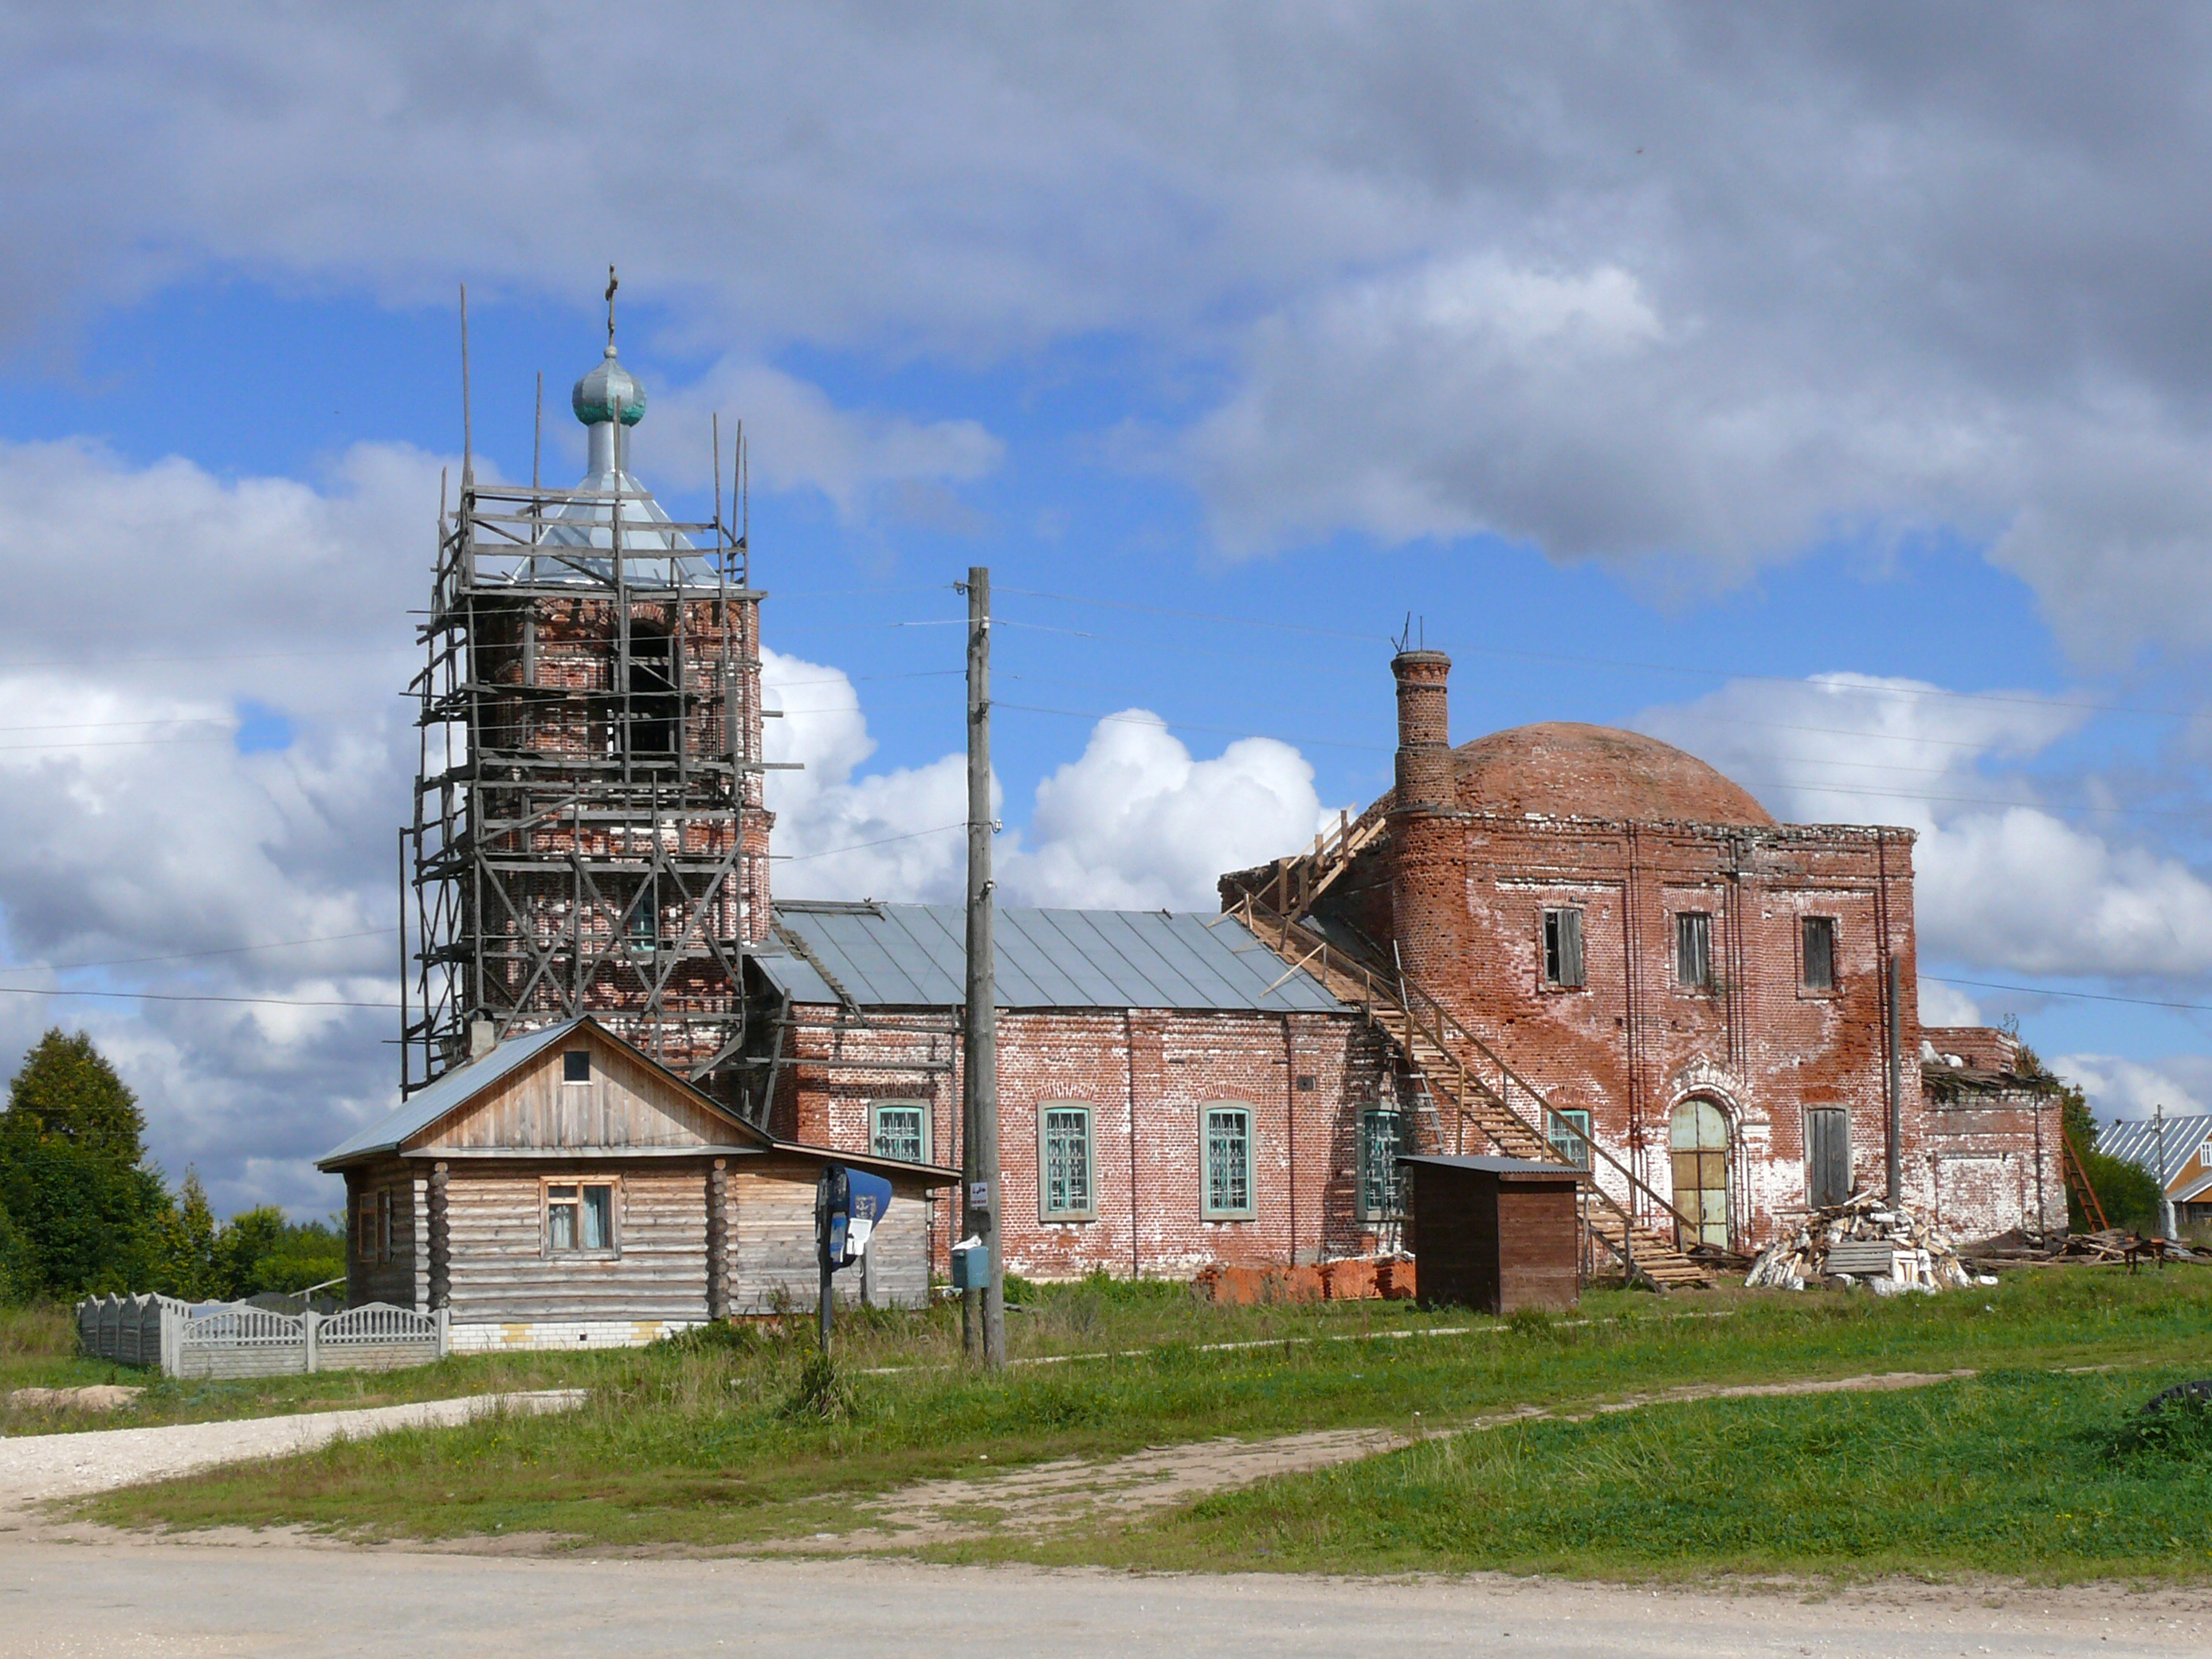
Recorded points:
(2165, 1201)
(982, 1312)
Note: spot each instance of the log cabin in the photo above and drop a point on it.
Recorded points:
(563, 1189)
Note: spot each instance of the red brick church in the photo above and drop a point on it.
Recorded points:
(1560, 941)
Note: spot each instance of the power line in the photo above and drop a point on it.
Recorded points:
(831, 851)
(168, 996)
(191, 955)
(2082, 996)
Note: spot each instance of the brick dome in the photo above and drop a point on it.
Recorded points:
(1565, 769)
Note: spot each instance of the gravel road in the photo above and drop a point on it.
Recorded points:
(287, 1598)
(38, 1466)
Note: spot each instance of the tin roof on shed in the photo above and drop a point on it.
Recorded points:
(914, 956)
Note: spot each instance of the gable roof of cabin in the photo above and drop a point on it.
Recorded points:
(2135, 1139)
(915, 956)
(424, 1109)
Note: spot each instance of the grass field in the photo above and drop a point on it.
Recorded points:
(696, 1445)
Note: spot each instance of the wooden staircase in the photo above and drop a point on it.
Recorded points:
(1468, 1081)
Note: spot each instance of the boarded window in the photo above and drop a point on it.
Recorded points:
(1563, 947)
(897, 1131)
(1064, 1162)
(579, 1216)
(1569, 1148)
(1381, 1182)
(576, 1065)
(1820, 952)
(1228, 1162)
(1693, 951)
(1827, 1156)
(365, 1227)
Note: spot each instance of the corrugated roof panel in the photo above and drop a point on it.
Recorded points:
(2135, 1139)
(914, 956)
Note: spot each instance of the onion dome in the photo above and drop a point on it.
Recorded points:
(608, 391)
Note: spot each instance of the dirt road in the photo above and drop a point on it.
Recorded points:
(283, 1599)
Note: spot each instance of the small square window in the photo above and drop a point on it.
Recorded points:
(576, 1065)
(580, 1216)
(1228, 1148)
(1563, 948)
(1820, 953)
(1381, 1182)
(897, 1131)
(1693, 951)
(1064, 1162)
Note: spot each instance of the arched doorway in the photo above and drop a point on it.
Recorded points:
(1698, 1139)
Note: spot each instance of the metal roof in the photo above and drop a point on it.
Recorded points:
(1496, 1165)
(914, 956)
(2135, 1139)
(426, 1106)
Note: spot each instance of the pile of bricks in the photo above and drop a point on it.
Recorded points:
(1353, 1279)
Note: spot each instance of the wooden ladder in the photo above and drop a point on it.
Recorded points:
(1454, 1066)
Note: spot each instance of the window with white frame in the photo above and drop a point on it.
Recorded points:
(1228, 1148)
(1065, 1160)
(1563, 948)
(899, 1129)
(1381, 1182)
(1571, 1148)
(576, 1065)
(580, 1217)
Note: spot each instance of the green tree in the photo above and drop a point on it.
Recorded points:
(186, 1265)
(85, 1210)
(67, 1092)
(2127, 1192)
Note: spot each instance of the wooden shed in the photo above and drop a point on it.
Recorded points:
(1495, 1234)
(564, 1189)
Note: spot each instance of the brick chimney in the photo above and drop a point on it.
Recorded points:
(1428, 836)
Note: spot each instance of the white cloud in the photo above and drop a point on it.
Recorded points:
(2118, 1087)
(1135, 822)
(2009, 885)
(1945, 1005)
(1614, 282)
(801, 440)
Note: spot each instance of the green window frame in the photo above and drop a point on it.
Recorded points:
(899, 1129)
(1570, 1148)
(1381, 1182)
(1066, 1162)
(1226, 1148)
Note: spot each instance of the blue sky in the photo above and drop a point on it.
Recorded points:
(1748, 384)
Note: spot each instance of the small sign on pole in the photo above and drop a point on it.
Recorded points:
(848, 1206)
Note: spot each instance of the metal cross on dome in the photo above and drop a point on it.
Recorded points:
(613, 282)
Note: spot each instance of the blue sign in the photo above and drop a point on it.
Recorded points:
(848, 1205)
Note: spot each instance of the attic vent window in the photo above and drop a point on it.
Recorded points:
(576, 1065)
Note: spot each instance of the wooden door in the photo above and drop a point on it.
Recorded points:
(1827, 1156)
(1699, 1142)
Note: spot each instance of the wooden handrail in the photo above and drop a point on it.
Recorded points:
(1380, 989)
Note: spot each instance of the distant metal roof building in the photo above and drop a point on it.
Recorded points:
(914, 956)
(2135, 1139)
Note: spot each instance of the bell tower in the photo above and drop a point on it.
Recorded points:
(588, 832)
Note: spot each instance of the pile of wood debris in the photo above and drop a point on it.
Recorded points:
(1862, 1239)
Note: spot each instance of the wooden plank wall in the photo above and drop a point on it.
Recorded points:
(500, 1269)
(378, 1280)
(773, 1233)
(624, 1104)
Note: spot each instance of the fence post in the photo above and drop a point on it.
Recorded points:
(445, 1333)
(169, 1323)
(312, 1321)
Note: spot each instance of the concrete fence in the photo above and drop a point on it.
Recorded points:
(230, 1339)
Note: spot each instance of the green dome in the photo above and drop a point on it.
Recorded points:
(607, 391)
